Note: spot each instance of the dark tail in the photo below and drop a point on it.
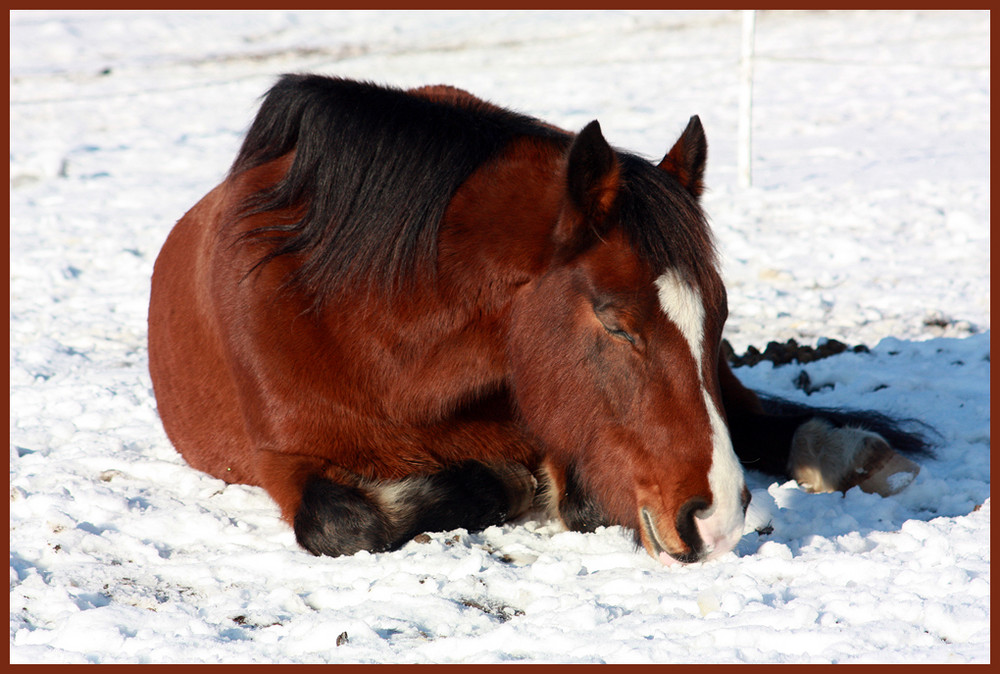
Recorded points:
(907, 436)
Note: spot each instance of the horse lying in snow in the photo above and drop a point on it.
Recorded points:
(408, 311)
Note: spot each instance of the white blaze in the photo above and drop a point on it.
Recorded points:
(721, 526)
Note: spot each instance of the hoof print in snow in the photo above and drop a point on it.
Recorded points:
(500, 611)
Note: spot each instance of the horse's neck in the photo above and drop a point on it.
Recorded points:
(496, 237)
(497, 231)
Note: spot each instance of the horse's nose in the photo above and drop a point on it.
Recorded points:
(687, 529)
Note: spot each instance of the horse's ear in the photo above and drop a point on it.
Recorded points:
(686, 159)
(592, 180)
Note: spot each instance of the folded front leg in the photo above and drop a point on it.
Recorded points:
(340, 518)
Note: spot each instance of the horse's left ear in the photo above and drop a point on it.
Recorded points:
(686, 159)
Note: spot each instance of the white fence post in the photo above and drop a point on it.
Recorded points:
(743, 140)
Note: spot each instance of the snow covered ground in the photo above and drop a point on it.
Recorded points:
(868, 222)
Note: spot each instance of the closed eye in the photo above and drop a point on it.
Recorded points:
(621, 334)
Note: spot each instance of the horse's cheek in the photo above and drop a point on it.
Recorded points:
(543, 386)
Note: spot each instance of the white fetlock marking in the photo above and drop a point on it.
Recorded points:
(397, 498)
(820, 457)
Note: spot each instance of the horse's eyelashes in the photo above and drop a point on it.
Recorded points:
(620, 334)
(610, 317)
(611, 321)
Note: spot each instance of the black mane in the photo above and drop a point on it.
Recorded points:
(374, 170)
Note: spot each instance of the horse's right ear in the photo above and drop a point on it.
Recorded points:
(592, 181)
(686, 159)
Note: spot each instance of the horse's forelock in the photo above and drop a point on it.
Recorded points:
(664, 223)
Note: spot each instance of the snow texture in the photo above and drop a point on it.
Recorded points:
(868, 222)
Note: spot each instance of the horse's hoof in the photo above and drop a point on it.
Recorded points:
(519, 484)
(891, 477)
(825, 458)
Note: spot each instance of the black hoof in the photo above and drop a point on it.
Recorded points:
(335, 519)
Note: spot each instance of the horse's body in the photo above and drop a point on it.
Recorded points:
(403, 310)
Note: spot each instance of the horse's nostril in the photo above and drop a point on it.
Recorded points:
(745, 499)
(686, 527)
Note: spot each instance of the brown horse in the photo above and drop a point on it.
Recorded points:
(406, 311)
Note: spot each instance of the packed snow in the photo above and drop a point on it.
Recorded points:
(867, 222)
